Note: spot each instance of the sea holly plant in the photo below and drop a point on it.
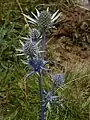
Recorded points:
(33, 48)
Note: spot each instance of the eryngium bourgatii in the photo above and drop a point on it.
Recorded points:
(58, 79)
(29, 48)
(43, 19)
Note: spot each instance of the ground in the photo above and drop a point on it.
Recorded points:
(71, 40)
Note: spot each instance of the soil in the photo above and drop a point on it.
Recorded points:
(70, 42)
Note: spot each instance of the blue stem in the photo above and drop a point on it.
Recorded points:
(41, 98)
(43, 43)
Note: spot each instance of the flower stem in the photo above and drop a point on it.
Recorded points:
(43, 43)
(41, 98)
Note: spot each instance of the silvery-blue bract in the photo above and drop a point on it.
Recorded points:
(43, 19)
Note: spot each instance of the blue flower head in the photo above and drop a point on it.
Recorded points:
(50, 98)
(37, 65)
(29, 48)
(58, 79)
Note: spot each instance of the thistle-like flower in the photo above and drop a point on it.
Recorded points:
(50, 99)
(58, 79)
(37, 65)
(29, 48)
(43, 19)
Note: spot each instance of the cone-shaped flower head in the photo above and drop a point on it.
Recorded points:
(29, 48)
(58, 79)
(43, 19)
(34, 34)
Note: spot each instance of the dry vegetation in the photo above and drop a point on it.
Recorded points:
(71, 40)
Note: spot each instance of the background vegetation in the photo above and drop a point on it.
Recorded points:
(19, 100)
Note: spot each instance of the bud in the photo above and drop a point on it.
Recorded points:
(58, 79)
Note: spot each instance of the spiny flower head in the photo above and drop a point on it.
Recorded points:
(58, 79)
(29, 48)
(43, 19)
(50, 98)
(34, 34)
(36, 66)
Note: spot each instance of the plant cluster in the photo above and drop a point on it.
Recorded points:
(33, 48)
